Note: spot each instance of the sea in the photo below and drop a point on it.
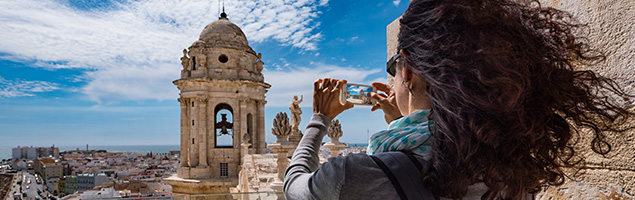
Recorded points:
(5, 151)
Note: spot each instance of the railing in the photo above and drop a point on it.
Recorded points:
(273, 195)
(177, 197)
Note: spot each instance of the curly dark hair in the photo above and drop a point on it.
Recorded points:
(508, 104)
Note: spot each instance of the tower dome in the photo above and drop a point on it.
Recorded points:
(222, 52)
(223, 33)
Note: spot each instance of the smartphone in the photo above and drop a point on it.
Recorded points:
(357, 94)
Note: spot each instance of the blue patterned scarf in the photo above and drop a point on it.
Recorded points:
(410, 133)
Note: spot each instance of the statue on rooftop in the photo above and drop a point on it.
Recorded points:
(335, 132)
(185, 61)
(281, 128)
(296, 111)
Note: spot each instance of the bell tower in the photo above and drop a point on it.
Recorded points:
(222, 96)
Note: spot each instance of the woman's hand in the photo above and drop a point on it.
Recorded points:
(326, 97)
(386, 102)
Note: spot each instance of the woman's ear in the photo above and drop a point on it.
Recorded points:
(406, 73)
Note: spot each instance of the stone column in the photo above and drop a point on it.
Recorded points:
(202, 131)
(238, 138)
(261, 127)
(282, 149)
(243, 121)
(244, 151)
(335, 148)
(193, 139)
(184, 135)
(282, 130)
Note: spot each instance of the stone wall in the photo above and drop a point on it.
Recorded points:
(612, 30)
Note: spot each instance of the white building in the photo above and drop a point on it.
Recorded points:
(34, 152)
(100, 194)
(89, 181)
(19, 164)
(24, 153)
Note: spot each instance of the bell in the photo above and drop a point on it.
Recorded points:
(223, 130)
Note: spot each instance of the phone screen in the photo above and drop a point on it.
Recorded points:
(357, 94)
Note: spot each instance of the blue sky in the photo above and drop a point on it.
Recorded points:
(355, 89)
(100, 72)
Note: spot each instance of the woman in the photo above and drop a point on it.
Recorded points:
(505, 105)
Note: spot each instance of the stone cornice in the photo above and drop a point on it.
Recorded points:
(182, 81)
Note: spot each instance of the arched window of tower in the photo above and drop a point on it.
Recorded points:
(223, 126)
(249, 125)
(193, 63)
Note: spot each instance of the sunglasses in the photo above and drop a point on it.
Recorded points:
(391, 66)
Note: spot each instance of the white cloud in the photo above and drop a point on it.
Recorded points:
(354, 89)
(299, 81)
(396, 2)
(20, 88)
(132, 49)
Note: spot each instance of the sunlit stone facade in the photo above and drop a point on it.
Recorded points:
(222, 106)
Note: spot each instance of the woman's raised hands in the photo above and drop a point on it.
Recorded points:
(326, 97)
(386, 102)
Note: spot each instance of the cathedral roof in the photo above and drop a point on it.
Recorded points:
(223, 33)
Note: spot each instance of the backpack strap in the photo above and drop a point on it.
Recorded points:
(404, 172)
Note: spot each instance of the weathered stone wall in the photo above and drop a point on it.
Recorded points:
(611, 29)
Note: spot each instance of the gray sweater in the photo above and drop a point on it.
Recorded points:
(355, 176)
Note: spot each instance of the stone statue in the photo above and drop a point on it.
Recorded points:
(294, 106)
(185, 61)
(335, 132)
(246, 137)
(281, 128)
(259, 64)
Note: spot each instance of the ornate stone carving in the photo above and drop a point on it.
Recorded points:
(281, 128)
(243, 73)
(259, 64)
(201, 99)
(243, 64)
(335, 132)
(202, 61)
(296, 111)
(185, 62)
(245, 138)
